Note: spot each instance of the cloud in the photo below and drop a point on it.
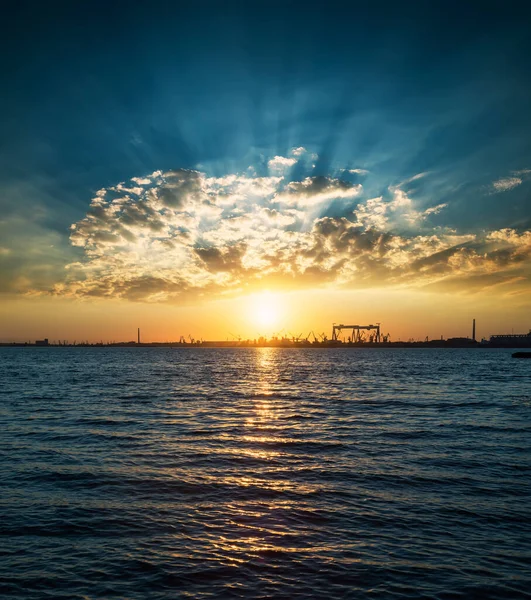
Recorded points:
(298, 151)
(179, 235)
(315, 190)
(280, 164)
(141, 180)
(434, 210)
(302, 152)
(399, 212)
(504, 185)
(509, 183)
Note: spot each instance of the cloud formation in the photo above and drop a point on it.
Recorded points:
(279, 164)
(508, 183)
(182, 234)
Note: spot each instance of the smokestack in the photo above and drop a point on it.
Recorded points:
(474, 329)
(138, 335)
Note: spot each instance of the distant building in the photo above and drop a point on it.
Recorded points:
(460, 342)
(43, 342)
(511, 340)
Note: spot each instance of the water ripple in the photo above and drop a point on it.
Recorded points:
(264, 473)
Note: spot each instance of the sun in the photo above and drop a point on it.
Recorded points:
(265, 311)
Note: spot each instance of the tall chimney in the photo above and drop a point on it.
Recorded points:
(138, 335)
(474, 329)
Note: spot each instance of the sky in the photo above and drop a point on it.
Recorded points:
(236, 169)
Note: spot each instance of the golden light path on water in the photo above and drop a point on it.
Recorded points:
(261, 429)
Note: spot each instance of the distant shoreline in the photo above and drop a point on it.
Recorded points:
(436, 344)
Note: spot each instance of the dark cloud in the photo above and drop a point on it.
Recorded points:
(313, 190)
(222, 259)
(180, 187)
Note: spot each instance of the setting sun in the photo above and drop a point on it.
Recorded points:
(265, 310)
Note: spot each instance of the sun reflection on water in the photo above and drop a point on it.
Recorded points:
(257, 528)
(266, 369)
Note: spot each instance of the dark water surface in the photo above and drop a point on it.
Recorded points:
(264, 473)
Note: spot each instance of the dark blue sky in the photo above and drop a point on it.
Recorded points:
(96, 93)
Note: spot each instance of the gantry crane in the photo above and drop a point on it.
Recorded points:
(357, 332)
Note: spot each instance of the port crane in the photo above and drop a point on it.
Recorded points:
(358, 332)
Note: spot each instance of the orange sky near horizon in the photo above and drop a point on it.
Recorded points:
(404, 314)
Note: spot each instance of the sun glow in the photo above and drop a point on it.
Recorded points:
(265, 310)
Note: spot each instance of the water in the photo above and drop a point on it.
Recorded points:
(264, 473)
